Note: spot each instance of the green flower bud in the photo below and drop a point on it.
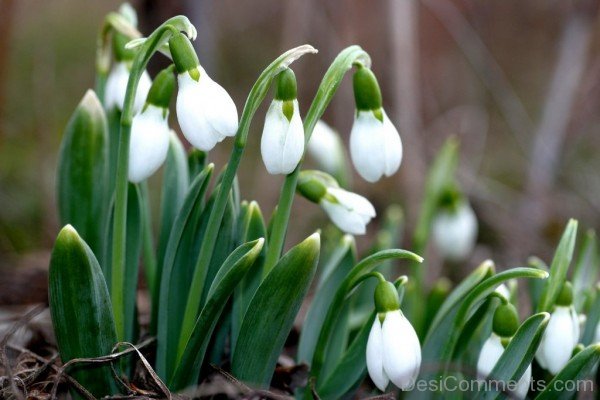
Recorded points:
(367, 94)
(506, 320)
(386, 297)
(286, 86)
(184, 55)
(565, 297)
(162, 88)
(121, 53)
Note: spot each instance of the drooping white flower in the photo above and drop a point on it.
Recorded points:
(559, 340)
(349, 211)
(282, 142)
(455, 231)
(205, 111)
(503, 291)
(393, 352)
(491, 352)
(149, 143)
(326, 147)
(116, 87)
(375, 146)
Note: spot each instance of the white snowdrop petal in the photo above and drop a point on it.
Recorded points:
(375, 357)
(149, 144)
(401, 350)
(141, 94)
(392, 147)
(353, 201)
(273, 138)
(523, 384)
(490, 354)
(366, 146)
(221, 107)
(454, 233)
(116, 88)
(326, 147)
(558, 341)
(347, 221)
(293, 147)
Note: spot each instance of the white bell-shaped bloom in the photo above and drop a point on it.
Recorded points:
(491, 352)
(282, 142)
(149, 143)
(503, 291)
(349, 211)
(326, 148)
(455, 232)
(116, 87)
(393, 352)
(560, 337)
(375, 146)
(205, 111)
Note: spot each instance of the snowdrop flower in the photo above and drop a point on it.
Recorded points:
(205, 111)
(393, 348)
(455, 227)
(375, 145)
(149, 140)
(561, 335)
(116, 83)
(348, 211)
(503, 291)
(282, 142)
(505, 324)
(326, 148)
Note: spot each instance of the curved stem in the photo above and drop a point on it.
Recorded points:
(327, 89)
(255, 98)
(160, 36)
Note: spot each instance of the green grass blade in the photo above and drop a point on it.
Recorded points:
(233, 270)
(559, 267)
(83, 171)
(271, 313)
(585, 270)
(518, 354)
(578, 368)
(592, 320)
(81, 311)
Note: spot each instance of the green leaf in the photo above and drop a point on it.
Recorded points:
(578, 368)
(559, 267)
(585, 271)
(592, 320)
(176, 273)
(81, 311)
(251, 226)
(335, 270)
(518, 354)
(233, 270)
(132, 257)
(175, 184)
(271, 313)
(114, 128)
(82, 171)
(536, 287)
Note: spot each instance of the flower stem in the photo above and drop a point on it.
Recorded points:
(327, 89)
(151, 45)
(255, 98)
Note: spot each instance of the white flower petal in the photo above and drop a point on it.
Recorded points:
(375, 356)
(524, 384)
(367, 146)
(353, 201)
(455, 233)
(205, 111)
(282, 141)
(351, 213)
(392, 147)
(347, 221)
(149, 143)
(490, 354)
(558, 341)
(116, 88)
(326, 147)
(401, 350)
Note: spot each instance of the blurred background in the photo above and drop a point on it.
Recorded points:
(517, 82)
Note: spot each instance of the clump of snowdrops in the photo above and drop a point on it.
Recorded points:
(221, 290)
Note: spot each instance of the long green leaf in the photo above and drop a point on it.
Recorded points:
(585, 270)
(82, 171)
(233, 270)
(175, 273)
(271, 313)
(252, 226)
(592, 320)
(567, 381)
(81, 311)
(559, 267)
(518, 354)
(337, 267)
